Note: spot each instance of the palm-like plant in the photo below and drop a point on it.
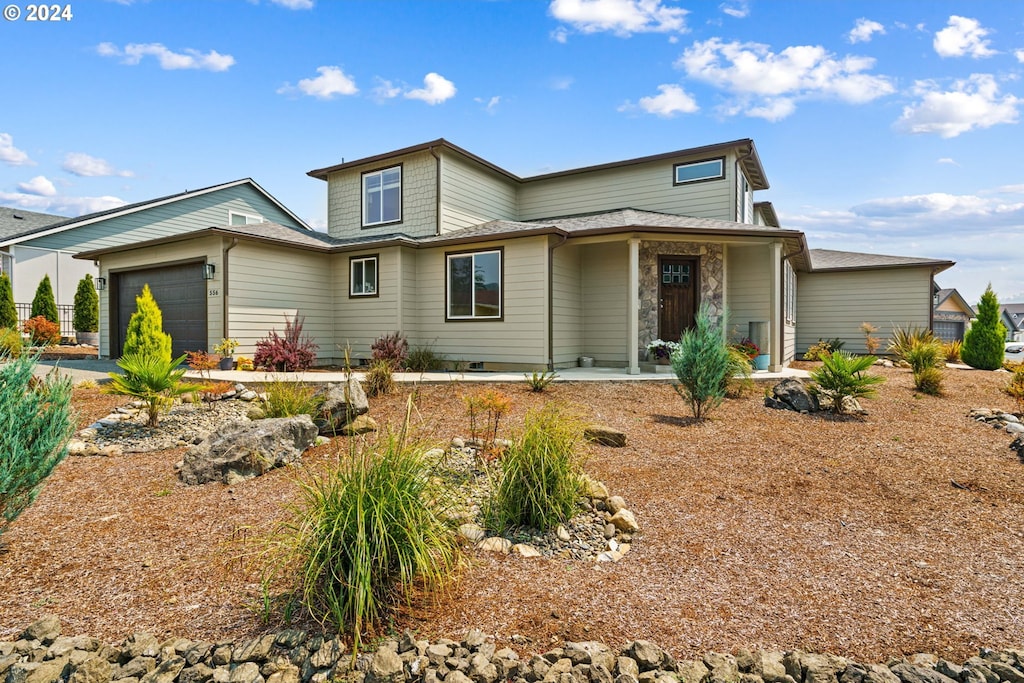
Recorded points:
(843, 375)
(151, 378)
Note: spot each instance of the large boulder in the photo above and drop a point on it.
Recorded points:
(242, 450)
(340, 404)
(791, 394)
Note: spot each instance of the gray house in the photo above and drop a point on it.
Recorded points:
(1012, 316)
(526, 272)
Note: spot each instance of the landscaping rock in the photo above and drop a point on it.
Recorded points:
(605, 436)
(361, 425)
(794, 395)
(247, 449)
(341, 404)
(623, 520)
(495, 544)
(45, 630)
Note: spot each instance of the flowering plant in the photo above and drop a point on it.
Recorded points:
(226, 347)
(747, 347)
(659, 348)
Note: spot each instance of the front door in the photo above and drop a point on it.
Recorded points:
(677, 296)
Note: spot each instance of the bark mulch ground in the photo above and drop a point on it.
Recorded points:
(759, 528)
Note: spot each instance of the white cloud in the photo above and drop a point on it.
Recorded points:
(82, 164)
(331, 82)
(11, 155)
(621, 17)
(768, 83)
(963, 36)
(385, 90)
(133, 53)
(294, 4)
(1019, 54)
(947, 160)
(68, 206)
(560, 35)
(972, 103)
(436, 89)
(864, 30)
(561, 82)
(40, 186)
(671, 101)
(490, 105)
(738, 9)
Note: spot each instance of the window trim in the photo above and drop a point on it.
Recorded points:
(376, 288)
(362, 196)
(247, 216)
(448, 256)
(675, 171)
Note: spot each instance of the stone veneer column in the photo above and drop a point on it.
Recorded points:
(633, 308)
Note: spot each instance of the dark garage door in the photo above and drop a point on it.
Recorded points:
(180, 292)
(948, 330)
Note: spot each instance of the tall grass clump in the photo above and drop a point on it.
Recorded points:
(701, 364)
(926, 359)
(984, 342)
(904, 339)
(843, 376)
(1015, 387)
(364, 533)
(540, 473)
(738, 374)
(288, 399)
(424, 359)
(951, 350)
(36, 423)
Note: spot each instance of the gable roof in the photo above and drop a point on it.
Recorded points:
(69, 223)
(14, 222)
(1014, 313)
(745, 147)
(832, 260)
(941, 295)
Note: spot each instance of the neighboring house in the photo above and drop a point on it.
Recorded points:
(1012, 316)
(503, 271)
(952, 315)
(45, 245)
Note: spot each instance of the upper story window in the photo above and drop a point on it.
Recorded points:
(382, 196)
(237, 218)
(363, 276)
(746, 201)
(698, 171)
(474, 285)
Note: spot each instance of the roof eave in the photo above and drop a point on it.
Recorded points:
(936, 266)
(323, 173)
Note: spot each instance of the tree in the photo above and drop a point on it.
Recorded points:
(8, 311)
(984, 342)
(701, 363)
(44, 304)
(145, 335)
(87, 306)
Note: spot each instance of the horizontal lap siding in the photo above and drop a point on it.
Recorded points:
(645, 186)
(605, 285)
(360, 320)
(207, 249)
(269, 283)
(471, 195)
(748, 288)
(835, 304)
(520, 338)
(568, 305)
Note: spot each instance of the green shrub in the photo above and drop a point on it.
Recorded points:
(842, 376)
(1015, 387)
(145, 335)
(379, 379)
(925, 354)
(43, 303)
(424, 359)
(364, 534)
(928, 380)
(8, 311)
(984, 342)
(541, 473)
(36, 423)
(701, 364)
(10, 343)
(151, 379)
(738, 373)
(87, 306)
(539, 381)
(42, 332)
(905, 338)
(823, 348)
(288, 399)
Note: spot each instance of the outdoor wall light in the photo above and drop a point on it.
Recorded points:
(101, 284)
(208, 270)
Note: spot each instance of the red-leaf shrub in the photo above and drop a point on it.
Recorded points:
(393, 348)
(41, 331)
(288, 353)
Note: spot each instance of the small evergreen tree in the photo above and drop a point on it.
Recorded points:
(44, 304)
(145, 335)
(87, 306)
(36, 421)
(984, 342)
(8, 311)
(701, 363)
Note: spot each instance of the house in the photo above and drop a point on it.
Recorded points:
(1012, 316)
(33, 245)
(952, 315)
(517, 272)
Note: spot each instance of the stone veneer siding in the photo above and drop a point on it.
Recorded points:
(712, 278)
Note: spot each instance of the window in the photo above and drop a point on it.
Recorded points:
(789, 293)
(746, 201)
(362, 276)
(712, 169)
(474, 285)
(235, 218)
(382, 196)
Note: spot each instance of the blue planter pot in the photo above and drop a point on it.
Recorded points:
(761, 362)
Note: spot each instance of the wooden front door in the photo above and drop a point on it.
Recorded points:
(677, 296)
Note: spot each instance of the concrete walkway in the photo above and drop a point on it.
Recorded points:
(97, 371)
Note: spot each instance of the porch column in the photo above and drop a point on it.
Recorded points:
(633, 292)
(775, 314)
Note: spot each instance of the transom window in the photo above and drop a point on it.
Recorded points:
(474, 286)
(363, 276)
(236, 218)
(697, 171)
(675, 273)
(382, 196)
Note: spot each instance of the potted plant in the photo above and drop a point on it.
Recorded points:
(226, 348)
(244, 363)
(748, 348)
(661, 350)
(87, 312)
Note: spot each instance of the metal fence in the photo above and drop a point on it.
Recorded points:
(65, 313)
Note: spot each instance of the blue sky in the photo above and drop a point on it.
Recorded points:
(887, 127)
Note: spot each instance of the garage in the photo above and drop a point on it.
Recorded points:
(948, 330)
(180, 292)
